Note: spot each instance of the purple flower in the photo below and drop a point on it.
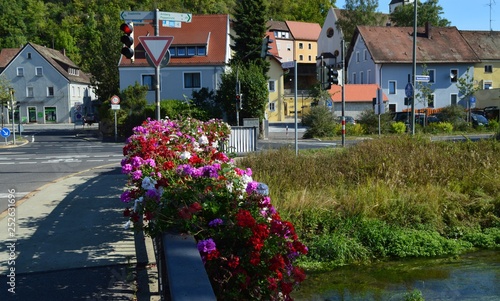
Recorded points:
(153, 194)
(125, 197)
(266, 201)
(126, 168)
(136, 161)
(216, 222)
(136, 175)
(206, 246)
(150, 162)
(252, 186)
(211, 171)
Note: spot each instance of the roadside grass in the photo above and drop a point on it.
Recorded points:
(390, 197)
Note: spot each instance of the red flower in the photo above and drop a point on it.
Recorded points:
(127, 212)
(298, 274)
(255, 258)
(277, 263)
(195, 207)
(233, 262)
(185, 213)
(245, 219)
(168, 165)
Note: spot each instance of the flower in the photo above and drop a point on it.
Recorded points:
(179, 180)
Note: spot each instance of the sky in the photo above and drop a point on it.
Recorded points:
(464, 14)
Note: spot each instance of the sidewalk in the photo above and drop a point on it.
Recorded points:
(66, 241)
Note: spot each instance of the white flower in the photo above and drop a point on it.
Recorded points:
(215, 144)
(127, 225)
(148, 183)
(203, 140)
(185, 155)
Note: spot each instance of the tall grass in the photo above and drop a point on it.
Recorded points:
(405, 185)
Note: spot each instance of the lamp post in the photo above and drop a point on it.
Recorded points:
(11, 90)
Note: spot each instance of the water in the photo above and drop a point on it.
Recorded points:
(474, 276)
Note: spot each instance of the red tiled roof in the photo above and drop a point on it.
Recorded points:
(388, 44)
(304, 31)
(6, 55)
(204, 30)
(355, 93)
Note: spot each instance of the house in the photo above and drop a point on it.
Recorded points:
(383, 56)
(486, 45)
(198, 56)
(48, 86)
(358, 98)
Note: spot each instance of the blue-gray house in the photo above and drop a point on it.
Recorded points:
(48, 87)
(384, 56)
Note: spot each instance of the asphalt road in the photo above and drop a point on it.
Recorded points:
(55, 153)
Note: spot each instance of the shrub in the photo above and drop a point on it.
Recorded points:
(439, 127)
(398, 127)
(320, 122)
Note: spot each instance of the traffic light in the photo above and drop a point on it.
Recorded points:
(334, 76)
(127, 40)
(266, 46)
(239, 103)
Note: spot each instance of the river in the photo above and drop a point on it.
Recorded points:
(474, 276)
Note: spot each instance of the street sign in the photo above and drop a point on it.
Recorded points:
(174, 24)
(156, 47)
(422, 78)
(181, 17)
(5, 132)
(115, 100)
(137, 16)
(115, 107)
(409, 90)
(288, 65)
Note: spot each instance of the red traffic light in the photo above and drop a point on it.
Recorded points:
(126, 28)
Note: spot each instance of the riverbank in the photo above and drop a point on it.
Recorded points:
(397, 197)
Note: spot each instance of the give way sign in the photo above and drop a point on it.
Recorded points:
(156, 47)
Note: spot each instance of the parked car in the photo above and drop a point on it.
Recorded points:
(89, 119)
(478, 120)
(348, 119)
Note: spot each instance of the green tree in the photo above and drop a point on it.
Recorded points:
(358, 12)
(466, 88)
(313, 11)
(424, 90)
(429, 11)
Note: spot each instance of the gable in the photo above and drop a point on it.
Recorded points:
(209, 33)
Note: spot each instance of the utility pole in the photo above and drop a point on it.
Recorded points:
(414, 71)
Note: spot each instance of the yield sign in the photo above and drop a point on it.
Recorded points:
(156, 47)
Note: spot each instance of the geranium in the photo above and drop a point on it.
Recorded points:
(180, 180)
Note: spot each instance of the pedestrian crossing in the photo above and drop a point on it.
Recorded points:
(62, 159)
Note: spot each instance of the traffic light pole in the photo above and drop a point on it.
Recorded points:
(157, 69)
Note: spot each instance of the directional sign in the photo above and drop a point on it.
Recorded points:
(422, 78)
(288, 65)
(156, 47)
(181, 17)
(137, 15)
(409, 90)
(5, 132)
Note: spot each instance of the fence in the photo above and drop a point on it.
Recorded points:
(243, 139)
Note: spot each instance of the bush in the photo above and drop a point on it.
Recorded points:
(439, 127)
(350, 129)
(320, 122)
(369, 121)
(398, 127)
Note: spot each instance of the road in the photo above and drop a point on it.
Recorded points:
(55, 153)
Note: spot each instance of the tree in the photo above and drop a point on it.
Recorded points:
(424, 90)
(314, 11)
(357, 12)
(429, 11)
(466, 88)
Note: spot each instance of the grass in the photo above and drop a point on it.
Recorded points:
(388, 197)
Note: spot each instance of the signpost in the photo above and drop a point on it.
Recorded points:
(409, 90)
(422, 78)
(156, 49)
(5, 132)
(115, 106)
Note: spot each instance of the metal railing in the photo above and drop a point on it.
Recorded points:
(243, 139)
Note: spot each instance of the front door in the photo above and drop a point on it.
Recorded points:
(31, 114)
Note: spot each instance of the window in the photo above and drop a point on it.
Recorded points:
(430, 101)
(301, 46)
(329, 32)
(310, 58)
(432, 75)
(354, 78)
(147, 80)
(201, 50)
(453, 99)
(487, 84)
(181, 51)
(50, 91)
(191, 51)
(20, 71)
(368, 75)
(361, 77)
(192, 80)
(301, 57)
(357, 57)
(271, 85)
(29, 55)
(454, 75)
(310, 46)
(392, 87)
(38, 71)
(29, 91)
(488, 68)
(272, 106)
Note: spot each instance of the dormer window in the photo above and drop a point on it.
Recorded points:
(29, 55)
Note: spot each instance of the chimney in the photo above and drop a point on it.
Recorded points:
(428, 30)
